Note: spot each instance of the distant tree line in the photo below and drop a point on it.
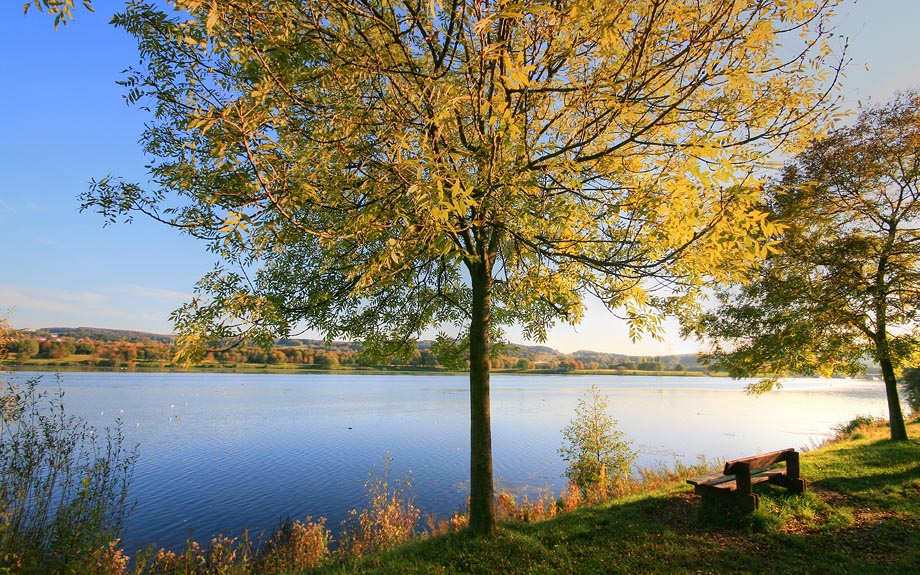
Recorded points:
(117, 348)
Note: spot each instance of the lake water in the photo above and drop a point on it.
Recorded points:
(223, 452)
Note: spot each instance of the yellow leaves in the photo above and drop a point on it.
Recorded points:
(433, 6)
(514, 11)
(746, 236)
(612, 132)
(500, 117)
(461, 198)
(213, 17)
(190, 6)
(800, 10)
(517, 74)
(641, 316)
(447, 203)
(761, 37)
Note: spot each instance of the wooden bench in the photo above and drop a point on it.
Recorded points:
(735, 484)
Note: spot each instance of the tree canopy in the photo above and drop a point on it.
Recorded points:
(844, 288)
(372, 168)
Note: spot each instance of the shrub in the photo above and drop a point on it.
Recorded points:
(110, 560)
(599, 456)
(295, 547)
(163, 562)
(507, 507)
(571, 498)
(390, 518)
(437, 526)
(63, 486)
(856, 427)
(911, 384)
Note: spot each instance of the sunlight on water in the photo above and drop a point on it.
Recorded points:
(223, 452)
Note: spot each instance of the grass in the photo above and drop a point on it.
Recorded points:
(860, 515)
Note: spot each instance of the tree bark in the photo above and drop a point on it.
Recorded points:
(482, 505)
(883, 353)
(895, 414)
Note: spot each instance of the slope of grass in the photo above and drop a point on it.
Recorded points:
(861, 515)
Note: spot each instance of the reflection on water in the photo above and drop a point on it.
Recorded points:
(223, 452)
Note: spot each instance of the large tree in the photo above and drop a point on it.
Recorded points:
(845, 286)
(372, 168)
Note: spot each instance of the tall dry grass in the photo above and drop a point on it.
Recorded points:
(63, 486)
(390, 518)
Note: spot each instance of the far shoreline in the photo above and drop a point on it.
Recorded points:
(254, 368)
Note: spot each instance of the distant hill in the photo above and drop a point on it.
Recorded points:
(105, 334)
(534, 353)
(687, 360)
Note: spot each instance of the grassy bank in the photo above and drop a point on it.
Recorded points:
(861, 516)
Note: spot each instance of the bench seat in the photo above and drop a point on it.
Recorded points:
(735, 483)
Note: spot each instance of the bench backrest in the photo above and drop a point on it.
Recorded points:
(757, 461)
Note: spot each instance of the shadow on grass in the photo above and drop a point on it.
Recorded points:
(876, 489)
(680, 535)
(882, 473)
(673, 534)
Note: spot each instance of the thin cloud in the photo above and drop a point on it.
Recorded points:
(122, 307)
(144, 292)
(49, 299)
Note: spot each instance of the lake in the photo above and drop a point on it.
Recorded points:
(223, 452)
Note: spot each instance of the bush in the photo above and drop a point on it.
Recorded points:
(296, 547)
(390, 518)
(598, 455)
(856, 427)
(63, 486)
(911, 384)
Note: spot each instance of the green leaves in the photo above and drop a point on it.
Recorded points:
(598, 454)
(62, 10)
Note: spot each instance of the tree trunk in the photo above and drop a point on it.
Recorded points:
(895, 415)
(883, 353)
(482, 505)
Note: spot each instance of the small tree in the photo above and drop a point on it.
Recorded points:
(598, 454)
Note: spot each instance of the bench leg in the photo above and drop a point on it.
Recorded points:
(794, 485)
(744, 501)
(748, 502)
(797, 485)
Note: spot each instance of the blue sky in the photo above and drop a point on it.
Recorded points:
(64, 122)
